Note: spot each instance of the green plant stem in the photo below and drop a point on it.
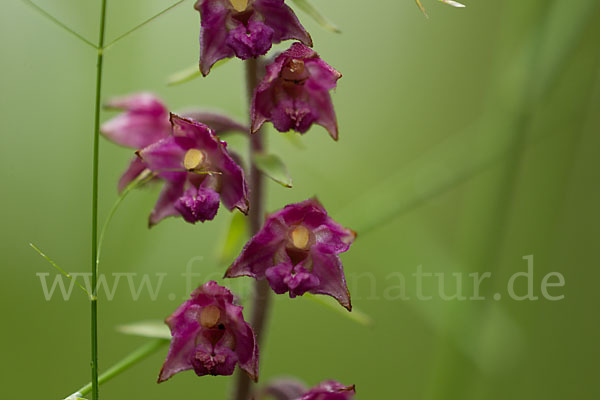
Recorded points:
(126, 363)
(262, 293)
(94, 297)
(136, 183)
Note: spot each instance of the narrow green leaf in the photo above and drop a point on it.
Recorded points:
(354, 315)
(55, 265)
(152, 329)
(132, 359)
(75, 396)
(272, 166)
(234, 239)
(325, 23)
(190, 73)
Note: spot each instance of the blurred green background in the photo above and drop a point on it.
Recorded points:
(467, 141)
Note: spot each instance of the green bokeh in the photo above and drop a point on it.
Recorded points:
(467, 141)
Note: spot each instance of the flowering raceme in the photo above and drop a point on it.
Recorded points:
(297, 252)
(198, 172)
(294, 93)
(210, 336)
(244, 28)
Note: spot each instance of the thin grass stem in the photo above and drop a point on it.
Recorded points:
(57, 22)
(55, 265)
(94, 235)
(142, 24)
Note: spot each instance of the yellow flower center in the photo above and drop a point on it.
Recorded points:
(209, 316)
(193, 159)
(300, 237)
(239, 5)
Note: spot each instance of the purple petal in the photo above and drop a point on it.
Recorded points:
(310, 212)
(257, 256)
(198, 204)
(332, 282)
(263, 98)
(179, 356)
(251, 40)
(234, 190)
(285, 389)
(136, 167)
(282, 20)
(322, 75)
(212, 291)
(333, 238)
(330, 390)
(144, 121)
(285, 278)
(165, 206)
(218, 122)
(246, 347)
(184, 329)
(214, 361)
(166, 156)
(321, 103)
(213, 32)
(277, 275)
(293, 114)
